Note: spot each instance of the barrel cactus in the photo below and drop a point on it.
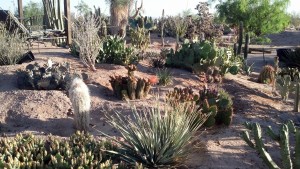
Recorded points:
(267, 75)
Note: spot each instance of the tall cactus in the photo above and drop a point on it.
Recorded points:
(162, 26)
(247, 40)
(282, 137)
(296, 101)
(235, 49)
(240, 38)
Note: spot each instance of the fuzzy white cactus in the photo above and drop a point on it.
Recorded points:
(81, 102)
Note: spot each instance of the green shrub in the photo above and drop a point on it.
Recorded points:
(114, 51)
(12, 46)
(156, 137)
(80, 151)
(261, 41)
(164, 77)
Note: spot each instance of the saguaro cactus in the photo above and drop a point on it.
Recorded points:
(246, 46)
(240, 38)
(162, 26)
(296, 101)
(282, 137)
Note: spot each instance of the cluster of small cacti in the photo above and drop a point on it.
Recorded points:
(284, 85)
(140, 38)
(222, 100)
(292, 72)
(210, 100)
(213, 110)
(180, 95)
(47, 77)
(158, 60)
(130, 87)
(267, 75)
(80, 151)
(213, 75)
(283, 137)
(142, 22)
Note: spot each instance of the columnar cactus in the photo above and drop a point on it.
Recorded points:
(247, 40)
(282, 137)
(284, 85)
(240, 40)
(81, 102)
(130, 87)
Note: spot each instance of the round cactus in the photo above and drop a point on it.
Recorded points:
(267, 75)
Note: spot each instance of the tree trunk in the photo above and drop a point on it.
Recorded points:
(118, 19)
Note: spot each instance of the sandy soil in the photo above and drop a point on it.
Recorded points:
(49, 112)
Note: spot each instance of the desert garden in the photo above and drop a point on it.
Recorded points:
(132, 91)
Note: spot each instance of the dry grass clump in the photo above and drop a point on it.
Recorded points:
(12, 46)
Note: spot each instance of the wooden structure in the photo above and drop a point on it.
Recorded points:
(67, 18)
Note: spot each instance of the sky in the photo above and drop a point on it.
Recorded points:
(151, 7)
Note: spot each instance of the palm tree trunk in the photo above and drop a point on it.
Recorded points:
(118, 18)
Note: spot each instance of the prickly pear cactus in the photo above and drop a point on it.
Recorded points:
(206, 108)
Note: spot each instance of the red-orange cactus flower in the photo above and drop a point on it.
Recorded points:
(153, 80)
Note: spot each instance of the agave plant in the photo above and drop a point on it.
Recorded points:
(156, 137)
(165, 77)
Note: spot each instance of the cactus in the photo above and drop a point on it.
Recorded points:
(140, 38)
(213, 75)
(206, 108)
(282, 137)
(267, 75)
(209, 100)
(180, 95)
(284, 84)
(225, 110)
(162, 26)
(48, 77)
(240, 40)
(247, 40)
(235, 50)
(296, 100)
(115, 51)
(130, 87)
(292, 72)
(81, 150)
(276, 64)
(81, 102)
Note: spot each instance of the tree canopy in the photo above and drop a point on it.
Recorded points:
(259, 16)
(33, 9)
(83, 8)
